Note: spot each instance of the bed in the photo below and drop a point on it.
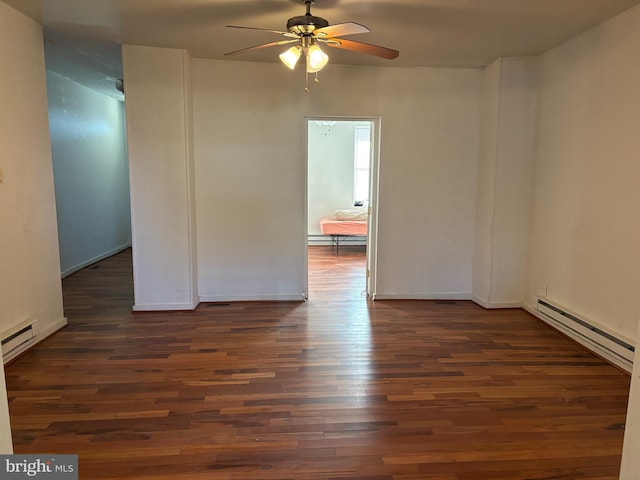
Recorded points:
(344, 223)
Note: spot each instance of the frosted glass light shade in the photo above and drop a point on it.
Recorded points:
(290, 57)
(316, 59)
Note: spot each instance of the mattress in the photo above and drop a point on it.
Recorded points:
(330, 226)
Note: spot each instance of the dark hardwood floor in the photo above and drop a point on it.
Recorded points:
(338, 387)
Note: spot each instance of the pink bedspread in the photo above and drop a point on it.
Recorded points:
(343, 227)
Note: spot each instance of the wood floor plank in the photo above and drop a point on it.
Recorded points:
(338, 387)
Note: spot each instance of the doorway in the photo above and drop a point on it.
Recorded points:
(341, 200)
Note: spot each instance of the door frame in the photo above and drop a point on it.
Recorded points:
(374, 184)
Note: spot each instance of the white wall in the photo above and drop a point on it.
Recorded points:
(504, 181)
(158, 106)
(250, 162)
(486, 193)
(249, 132)
(585, 233)
(330, 171)
(429, 161)
(90, 170)
(30, 285)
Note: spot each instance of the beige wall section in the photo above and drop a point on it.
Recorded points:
(429, 161)
(30, 286)
(486, 182)
(158, 111)
(190, 178)
(585, 233)
(518, 95)
(250, 188)
(504, 181)
(249, 143)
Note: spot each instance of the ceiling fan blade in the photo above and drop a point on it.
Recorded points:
(361, 47)
(258, 47)
(288, 34)
(341, 29)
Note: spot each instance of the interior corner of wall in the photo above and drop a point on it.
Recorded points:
(479, 301)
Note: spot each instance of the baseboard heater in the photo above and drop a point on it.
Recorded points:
(616, 350)
(344, 240)
(17, 340)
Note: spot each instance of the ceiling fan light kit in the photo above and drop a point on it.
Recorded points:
(307, 31)
(316, 59)
(291, 57)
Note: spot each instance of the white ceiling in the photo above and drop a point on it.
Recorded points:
(83, 37)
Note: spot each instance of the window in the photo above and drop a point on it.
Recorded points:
(362, 160)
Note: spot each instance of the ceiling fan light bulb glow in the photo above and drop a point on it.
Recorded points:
(316, 59)
(290, 57)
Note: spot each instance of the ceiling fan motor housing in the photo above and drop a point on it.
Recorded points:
(306, 24)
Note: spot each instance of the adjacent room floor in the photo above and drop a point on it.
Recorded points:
(338, 387)
(337, 276)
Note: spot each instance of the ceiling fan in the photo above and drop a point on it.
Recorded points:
(308, 32)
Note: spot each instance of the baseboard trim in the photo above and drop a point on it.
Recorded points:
(495, 305)
(165, 307)
(53, 328)
(91, 261)
(343, 242)
(300, 297)
(421, 296)
(41, 334)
